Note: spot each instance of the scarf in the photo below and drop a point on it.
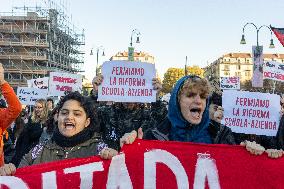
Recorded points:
(74, 140)
(181, 129)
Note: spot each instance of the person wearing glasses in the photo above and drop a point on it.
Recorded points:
(32, 130)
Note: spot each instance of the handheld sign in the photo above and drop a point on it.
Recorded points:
(251, 112)
(60, 82)
(39, 83)
(273, 70)
(127, 82)
(28, 96)
(230, 83)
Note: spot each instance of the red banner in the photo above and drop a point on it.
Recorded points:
(154, 164)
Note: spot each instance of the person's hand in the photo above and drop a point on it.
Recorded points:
(281, 112)
(7, 170)
(274, 153)
(108, 153)
(97, 80)
(157, 85)
(140, 133)
(253, 147)
(128, 138)
(2, 80)
(218, 114)
(282, 99)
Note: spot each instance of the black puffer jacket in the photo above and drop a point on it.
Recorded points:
(220, 134)
(116, 121)
(27, 140)
(279, 139)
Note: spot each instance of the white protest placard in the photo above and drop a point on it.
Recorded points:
(28, 96)
(40, 83)
(251, 112)
(59, 82)
(230, 83)
(273, 70)
(127, 82)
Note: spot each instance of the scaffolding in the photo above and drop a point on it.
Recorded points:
(35, 41)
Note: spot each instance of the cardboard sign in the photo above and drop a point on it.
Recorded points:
(274, 71)
(28, 96)
(39, 83)
(127, 82)
(230, 83)
(251, 112)
(60, 82)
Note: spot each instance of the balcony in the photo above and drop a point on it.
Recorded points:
(23, 57)
(19, 29)
(26, 43)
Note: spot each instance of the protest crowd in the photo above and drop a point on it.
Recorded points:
(81, 126)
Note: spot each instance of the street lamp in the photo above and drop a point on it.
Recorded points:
(243, 41)
(257, 80)
(131, 48)
(103, 54)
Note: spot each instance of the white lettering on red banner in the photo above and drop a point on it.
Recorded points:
(155, 164)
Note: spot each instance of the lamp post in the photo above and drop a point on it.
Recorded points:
(131, 48)
(100, 48)
(257, 80)
(243, 41)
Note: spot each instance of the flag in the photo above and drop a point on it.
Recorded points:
(279, 32)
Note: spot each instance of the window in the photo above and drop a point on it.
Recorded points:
(226, 67)
(238, 67)
(238, 74)
(227, 73)
(247, 73)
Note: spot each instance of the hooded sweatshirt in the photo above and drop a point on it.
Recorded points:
(181, 129)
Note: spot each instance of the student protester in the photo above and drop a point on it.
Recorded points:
(215, 107)
(50, 104)
(9, 114)
(32, 131)
(75, 136)
(188, 115)
(216, 115)
(121, 121)
(14, 132)
(277, 152)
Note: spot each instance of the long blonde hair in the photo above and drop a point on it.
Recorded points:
(44, 114)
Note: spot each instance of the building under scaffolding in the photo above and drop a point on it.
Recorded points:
(35, 41)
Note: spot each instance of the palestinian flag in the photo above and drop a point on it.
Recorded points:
(279, 32)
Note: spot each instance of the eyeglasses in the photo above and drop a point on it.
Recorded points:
(38, 107)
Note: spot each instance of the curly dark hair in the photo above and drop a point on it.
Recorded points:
(86, 104)
(215, 98)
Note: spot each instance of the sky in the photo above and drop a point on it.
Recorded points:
(202, 30)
